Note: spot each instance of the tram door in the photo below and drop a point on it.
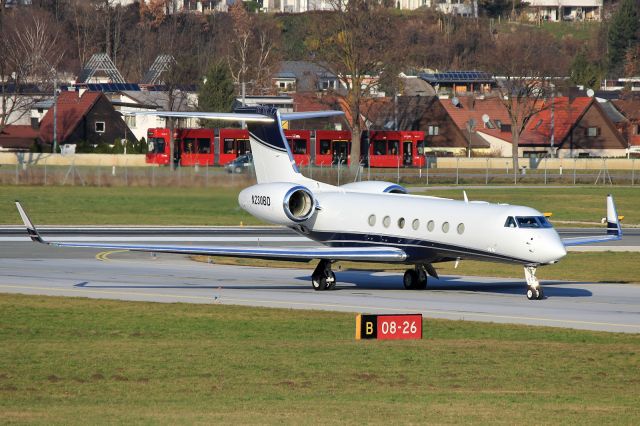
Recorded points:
(243, 146)
(407, 156)
(340, 152)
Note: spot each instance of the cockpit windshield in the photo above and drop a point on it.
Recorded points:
(527, 222)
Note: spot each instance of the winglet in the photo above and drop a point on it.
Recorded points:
(613, 220)
(31, 230)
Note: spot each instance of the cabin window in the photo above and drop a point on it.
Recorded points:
(460, 228)
(445, 227)
(99, 126)
(431, 225)
(372, 220)
(401, 223)
(416, 224)
(386, 221)
(510, 223)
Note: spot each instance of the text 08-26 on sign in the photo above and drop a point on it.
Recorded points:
(407, 326)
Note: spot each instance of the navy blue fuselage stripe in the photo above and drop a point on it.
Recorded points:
(416, 249)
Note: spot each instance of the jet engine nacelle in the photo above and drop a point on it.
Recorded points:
(280, 203)
(374, 187)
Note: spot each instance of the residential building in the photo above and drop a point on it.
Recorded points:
(20, 138)
(84, 117)
(629, 106)
(459, 82)
(565, 10)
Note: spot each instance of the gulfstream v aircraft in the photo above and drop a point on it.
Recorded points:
(372, 221)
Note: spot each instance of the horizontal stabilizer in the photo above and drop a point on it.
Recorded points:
(614, 230)
(288, 116)
(225, 116)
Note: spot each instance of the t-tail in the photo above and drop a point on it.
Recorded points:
(272, 156)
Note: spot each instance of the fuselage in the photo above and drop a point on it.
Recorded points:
(431, 229)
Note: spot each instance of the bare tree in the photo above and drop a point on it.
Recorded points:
(356, 43)
(29, 55)
(526, 64)
(252, 54)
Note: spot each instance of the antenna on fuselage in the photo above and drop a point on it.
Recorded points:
(466, 200)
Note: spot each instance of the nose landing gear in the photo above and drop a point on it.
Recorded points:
(534, 290)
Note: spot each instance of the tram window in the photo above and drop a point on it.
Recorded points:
(510, 223)
(431, 225)
(460, 228)
(228, 146)
(204, 146)
(401, 223)
(379, 147)
(386, 221)
(189, 146)
(299, 146)
(372, 219)
(394, 147)
(325, 146)
(416, 224)
(157, 145)
(445, 227)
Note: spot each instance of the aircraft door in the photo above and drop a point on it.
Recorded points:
(407, 156)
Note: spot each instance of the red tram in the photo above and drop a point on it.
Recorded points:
(208, 147)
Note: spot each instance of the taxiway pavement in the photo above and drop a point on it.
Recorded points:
(31, 268)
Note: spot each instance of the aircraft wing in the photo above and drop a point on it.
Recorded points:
(614, 230)
(360, 254)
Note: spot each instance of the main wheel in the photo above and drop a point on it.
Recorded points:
(410, 279)
(421, 284)
(319, 283)
(540, 294)
(330, 281)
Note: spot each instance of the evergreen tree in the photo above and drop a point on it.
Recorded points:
(623, 33)
(584, 72)
(217, 93)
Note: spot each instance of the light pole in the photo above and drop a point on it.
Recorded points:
(55, 110)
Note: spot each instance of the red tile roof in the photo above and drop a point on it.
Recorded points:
(18, 137)
(470, 108)
(70, 111)
(566, 114)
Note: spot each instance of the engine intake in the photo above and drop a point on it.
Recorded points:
(298, 204)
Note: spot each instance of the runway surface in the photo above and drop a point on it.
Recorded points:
(32, 268)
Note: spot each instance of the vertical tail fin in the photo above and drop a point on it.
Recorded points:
(272, 155)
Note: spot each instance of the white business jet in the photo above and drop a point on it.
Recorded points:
(371, 221)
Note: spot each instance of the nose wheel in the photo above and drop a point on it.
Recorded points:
(323, 277)
(534, 289)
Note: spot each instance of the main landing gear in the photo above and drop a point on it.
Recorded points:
(323, 277)
(415, 279)
(534, 290)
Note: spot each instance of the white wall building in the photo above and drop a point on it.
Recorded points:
(565, 10)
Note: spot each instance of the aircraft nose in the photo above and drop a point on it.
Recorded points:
(557, 251)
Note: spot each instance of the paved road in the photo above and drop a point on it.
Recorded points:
(31, 268)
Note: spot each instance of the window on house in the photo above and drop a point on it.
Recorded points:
(130, 120)
(489, 124)
(433, 130)
(593, 131)
(99, 126)
(537, 124)
(637, 129)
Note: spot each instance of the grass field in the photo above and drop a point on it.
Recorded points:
(82, 361)
(218, 206)
(618, 267)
